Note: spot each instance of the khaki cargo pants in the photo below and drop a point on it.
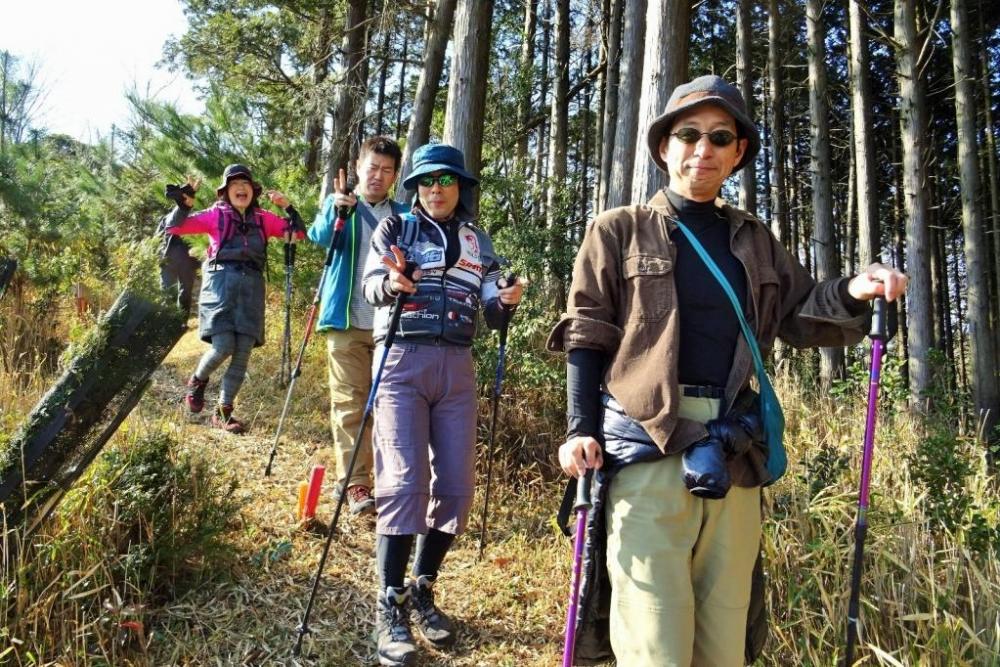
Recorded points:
(349, 363)
(680, 566)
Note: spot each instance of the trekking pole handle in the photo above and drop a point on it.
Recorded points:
(880, 317)
(583, 490)
(503, 282)
(397, 309)
(343, 212)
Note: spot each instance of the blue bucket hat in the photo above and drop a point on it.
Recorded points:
(438, 157)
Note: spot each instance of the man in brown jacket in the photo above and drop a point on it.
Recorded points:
(658, 372)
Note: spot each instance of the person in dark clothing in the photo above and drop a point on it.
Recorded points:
(177, 267)
(658, 371)
(231, 304)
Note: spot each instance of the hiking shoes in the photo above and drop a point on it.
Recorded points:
(437, 628)
(195, 396)
(223, 419)
(392, 629)
(360, 500)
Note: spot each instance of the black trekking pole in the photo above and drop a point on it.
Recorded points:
(879, 337)
(582, 508)
(286, 339)
(507, 281)
(338, 232)
(390, 337)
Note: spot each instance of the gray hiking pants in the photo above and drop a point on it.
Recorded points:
(224, 346)
(425, 439)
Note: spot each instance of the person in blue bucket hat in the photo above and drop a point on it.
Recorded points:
(425, 410)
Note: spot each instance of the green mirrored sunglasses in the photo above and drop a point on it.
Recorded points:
(444, 179)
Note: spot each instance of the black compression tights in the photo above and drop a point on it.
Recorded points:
(393, 553)
(431, 550)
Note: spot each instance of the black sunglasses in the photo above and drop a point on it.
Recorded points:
(444, 179)
(689, 135)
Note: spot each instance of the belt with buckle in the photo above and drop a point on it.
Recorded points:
(701, 391)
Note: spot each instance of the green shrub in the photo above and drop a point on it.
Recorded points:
(164, 515)
(144, 525)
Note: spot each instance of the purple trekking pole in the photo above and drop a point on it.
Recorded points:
(879, 338)
(582, 508)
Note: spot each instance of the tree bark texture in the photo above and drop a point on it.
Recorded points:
(864, 147)
(993, 223)
(912, 111)
(627, 136)
(419, 131)
(982, 369)
(779, 192)
(351, 93)
(314, 123)
(611, 104)
(555, 205)
(824, 238)
(527, 78)
(744, 79)
(465, 112)
(665, 61)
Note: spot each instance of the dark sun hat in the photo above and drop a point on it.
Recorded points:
(708, 89)
(234, 171)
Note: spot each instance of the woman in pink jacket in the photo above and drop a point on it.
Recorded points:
(231, 303)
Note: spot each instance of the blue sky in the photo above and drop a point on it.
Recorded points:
(88, 54)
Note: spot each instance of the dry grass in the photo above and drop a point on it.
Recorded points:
(926, 599)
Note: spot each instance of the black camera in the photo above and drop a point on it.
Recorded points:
(178, 192)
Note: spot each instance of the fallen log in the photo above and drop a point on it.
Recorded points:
(83, 409)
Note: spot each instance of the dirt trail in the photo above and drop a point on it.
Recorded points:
(509, 607)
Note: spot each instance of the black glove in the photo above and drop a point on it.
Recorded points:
(737, 433)
(706, 474)
(177, 193)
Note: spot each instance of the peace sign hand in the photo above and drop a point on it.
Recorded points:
(398, 282)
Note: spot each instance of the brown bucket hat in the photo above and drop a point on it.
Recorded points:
(708, 89)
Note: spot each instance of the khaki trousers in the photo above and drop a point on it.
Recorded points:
(680, 566)
(349, 363)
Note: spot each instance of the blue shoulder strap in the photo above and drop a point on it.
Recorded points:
(771, 413)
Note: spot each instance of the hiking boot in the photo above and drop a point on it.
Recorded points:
(392, 629)
(195, 396)
(223, 418)
(437, 628)
(359, 499)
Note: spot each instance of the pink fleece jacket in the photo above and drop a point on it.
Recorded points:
(207, 222)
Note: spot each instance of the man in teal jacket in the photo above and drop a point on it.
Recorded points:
(345, 316)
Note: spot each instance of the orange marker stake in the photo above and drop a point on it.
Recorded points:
(303, 491)
(312, 497)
